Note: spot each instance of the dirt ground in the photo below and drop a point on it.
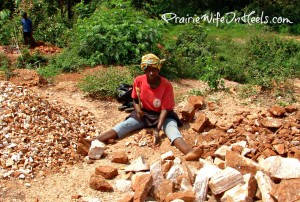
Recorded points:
(73, 180)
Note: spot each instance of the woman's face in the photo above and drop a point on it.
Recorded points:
(152, 73)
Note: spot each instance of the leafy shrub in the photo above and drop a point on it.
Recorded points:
(7, 28)
(83, 10)
(295, 29)
(31, 61)
(56, 32)
(188, 52)
(258, 60)
(4, 62)
(105, 82)
(5, 66)
(228, 58)
(68, 61)
(116, 36)
(48, 72)
(272, 60)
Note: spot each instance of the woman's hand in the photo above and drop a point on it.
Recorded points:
(137, 107)
(139, 113)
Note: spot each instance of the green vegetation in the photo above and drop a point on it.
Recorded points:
(116, 36)
(31, 61)
(5, 67)
(105, 82)
(187, 52)
(96, 32)
(272, 60)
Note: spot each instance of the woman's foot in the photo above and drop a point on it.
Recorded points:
(195, 154)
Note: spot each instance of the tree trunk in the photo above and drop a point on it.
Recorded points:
(69, 9)
(61, 6)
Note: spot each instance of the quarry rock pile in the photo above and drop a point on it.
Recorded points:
(36, 134)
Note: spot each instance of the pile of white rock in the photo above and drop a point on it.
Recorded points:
(37, 135)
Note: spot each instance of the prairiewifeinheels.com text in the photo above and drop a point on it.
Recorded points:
(227, 18)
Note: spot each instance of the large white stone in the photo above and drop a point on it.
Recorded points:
(157, 174)
(282, 168)
(96, 149)
(265, 185)
(242, 192)
(138, 164)
(224, 180)
(123, 185)
(201, 182)
(175, 171)
(221, 152)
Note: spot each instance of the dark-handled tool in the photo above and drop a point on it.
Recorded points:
(138, 92)
(156, 140)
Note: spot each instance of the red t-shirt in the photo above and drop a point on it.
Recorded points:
(156, 99)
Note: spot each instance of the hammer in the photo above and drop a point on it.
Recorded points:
(138, 92)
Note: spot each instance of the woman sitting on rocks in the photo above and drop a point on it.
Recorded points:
(153, 100)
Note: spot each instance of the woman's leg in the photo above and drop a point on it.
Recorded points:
(171, 129)
(120, 130)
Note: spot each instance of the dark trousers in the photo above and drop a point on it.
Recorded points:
(28, 39)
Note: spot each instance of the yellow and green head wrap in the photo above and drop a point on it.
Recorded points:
(150, 59)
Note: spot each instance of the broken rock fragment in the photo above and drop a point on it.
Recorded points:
(145, 184)
(165, 188)
(99, 183)
(188, 112)
(265, 185)
(225, 180)
(277, 111)
(242, 192)
(287, 190)
(201, 182)
(96, 149)
(271, 122)
(167, 156)
(108, 172)
(282, 168)
(123, 185)
(200, 123)
(138, 164)
(118, 157)
(196, 101)
(240, 163)
(187, 196)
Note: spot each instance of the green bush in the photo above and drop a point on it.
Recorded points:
(272, 60)
(261, 59)
(31, 61)
(295, 29)
(4, 62)
(68, 61)
(83, 10)
(8, 28)
(48, 72)
(56, 32)
(105, 82)
(116, 36)
(5, 67)
(187, 52)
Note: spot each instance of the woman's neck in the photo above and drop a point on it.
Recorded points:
(154, 83)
